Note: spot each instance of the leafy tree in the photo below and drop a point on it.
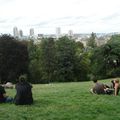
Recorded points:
(34, 62)
(82, 67)
(91, 41)
(47, 59)
(79, 48)
(65, 58)
(98, 63)
(13, 58)
(113, 56)
(82, 63)
(106, 59)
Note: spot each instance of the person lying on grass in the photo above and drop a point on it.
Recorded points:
(100, 88)
(115, 86)
(3, 97)
(23, 92)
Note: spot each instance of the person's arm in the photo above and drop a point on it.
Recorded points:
(4, 92)
(4, 95)
(116, 89)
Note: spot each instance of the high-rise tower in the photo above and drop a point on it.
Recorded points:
(15, 32)
(20, 33)
(58, 32)
(31, 32)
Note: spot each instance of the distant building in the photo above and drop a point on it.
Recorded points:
(70, 33)
(15, 32)
(58, 32)
(20, 33)
(101, 40)
(40, 36)
(31, 32)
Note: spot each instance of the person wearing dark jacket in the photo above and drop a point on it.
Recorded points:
(3, 97)
(23, 92)
(98, 88)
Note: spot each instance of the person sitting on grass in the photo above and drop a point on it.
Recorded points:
(3, 97)
(24, 93)
(98, 88)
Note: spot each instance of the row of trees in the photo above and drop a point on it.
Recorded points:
(61, 60)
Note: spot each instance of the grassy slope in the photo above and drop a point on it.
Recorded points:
(64, 101)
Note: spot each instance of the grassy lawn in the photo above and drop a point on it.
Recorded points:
(64, 101)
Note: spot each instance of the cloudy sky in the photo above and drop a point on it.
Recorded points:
(81, 16)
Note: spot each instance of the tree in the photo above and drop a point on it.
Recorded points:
(47, 59)
(34, 62)
(13, 58)
(82, 63)
(82, 67)
(98, 69)
(91, 41)
(106, 59)
(65, 58)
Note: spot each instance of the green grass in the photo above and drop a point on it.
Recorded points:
(64, 101)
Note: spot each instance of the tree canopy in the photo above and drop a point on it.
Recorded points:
(58, 60)
(13, 58)
(91, 41)
(106, 59)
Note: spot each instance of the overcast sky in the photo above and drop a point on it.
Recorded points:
(81, 16)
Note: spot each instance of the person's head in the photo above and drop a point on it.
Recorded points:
(22, 78)
(112, 81)
(116, 81)
(95, 81)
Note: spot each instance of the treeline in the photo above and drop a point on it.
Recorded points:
(58, 60)
(61, 60)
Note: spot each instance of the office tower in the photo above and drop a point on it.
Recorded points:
(15, 32)
(58, 32)
(20, 33)
(31, 32)
(70, 33)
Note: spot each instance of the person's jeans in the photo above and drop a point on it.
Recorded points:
(9, 99)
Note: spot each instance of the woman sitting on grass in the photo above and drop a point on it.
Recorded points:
(24, 93)
(3, 97)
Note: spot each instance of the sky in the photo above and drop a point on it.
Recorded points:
(81, 16)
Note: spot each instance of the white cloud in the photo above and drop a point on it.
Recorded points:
(46, 15)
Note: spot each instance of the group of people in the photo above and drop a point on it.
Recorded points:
(100, 88)
(23, 93)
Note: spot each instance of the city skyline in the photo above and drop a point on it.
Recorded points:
(81, 16)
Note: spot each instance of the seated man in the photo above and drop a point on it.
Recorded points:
(3, 97)
(24, 93)
(98, 88)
